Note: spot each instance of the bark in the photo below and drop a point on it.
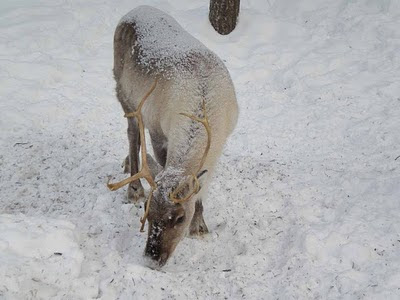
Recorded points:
(223, 15)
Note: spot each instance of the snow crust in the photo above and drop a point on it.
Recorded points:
(40, 258)
(306, 198)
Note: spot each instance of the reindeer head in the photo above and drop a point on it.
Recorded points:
(168, 220)
(171, 202)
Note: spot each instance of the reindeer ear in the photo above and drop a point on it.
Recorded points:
(201, 177)
(201, 173)
(188, 187)
(184, 187)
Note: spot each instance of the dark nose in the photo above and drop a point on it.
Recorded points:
(154, 253)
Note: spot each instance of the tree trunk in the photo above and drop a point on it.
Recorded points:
(223, 15)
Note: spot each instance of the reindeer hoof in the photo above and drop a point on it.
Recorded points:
(134, 194)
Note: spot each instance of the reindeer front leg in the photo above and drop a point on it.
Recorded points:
(135, 188)
(198, 226)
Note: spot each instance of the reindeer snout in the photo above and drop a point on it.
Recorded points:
(157, 258)
(152, 251)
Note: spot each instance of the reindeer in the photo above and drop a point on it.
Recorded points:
(170, 83)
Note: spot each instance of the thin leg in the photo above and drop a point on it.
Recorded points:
(159, 144)
(154, 166)
(126, 165)
(135, 188)
(198, 226)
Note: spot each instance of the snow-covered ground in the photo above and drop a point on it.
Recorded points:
(306, 199)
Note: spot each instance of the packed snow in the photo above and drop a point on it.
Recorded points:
(305, 202)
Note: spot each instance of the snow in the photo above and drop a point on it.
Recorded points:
(305, 200)
(40, 258)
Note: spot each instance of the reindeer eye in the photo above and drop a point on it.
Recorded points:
(180, 220)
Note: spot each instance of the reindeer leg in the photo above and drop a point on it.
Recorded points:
(135, 188)
(126, 165)
(198, 226)
(159, 143)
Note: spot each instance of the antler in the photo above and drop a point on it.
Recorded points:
(174, 195)
(145, 170)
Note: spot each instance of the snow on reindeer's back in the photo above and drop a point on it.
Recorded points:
(162, 44)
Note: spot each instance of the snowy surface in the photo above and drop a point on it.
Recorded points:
(306, 199)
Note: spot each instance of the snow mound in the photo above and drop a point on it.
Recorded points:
(40, 258)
